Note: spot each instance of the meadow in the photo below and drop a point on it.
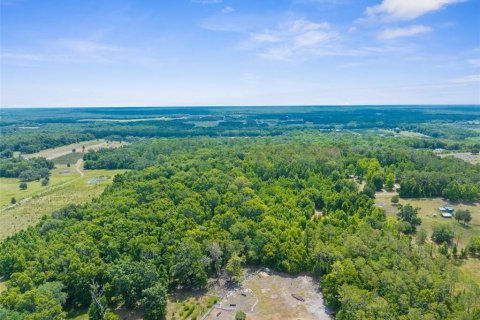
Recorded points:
(66, 186)
(430, 215)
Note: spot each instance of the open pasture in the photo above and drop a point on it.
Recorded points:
(430, 215)
(66, 186)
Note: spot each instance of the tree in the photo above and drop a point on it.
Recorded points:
(474, 246)
(44, 182)
(395, 199)
(390, 181)
(216, 254)
(240, 315)
(154, 301)
(409, 214)
(234, 268)
(98, 308)
(442, 234)
(463, 215)
(23, 186)
(187, 269)
(13, 200)
(421, 237)
(369, 190)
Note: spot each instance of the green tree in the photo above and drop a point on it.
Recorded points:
(442, 234)
(409, 214)
(187, 269)
(234, 268)
(395, 199)
(390, 181)
(154, 301)
(240, 315)
(463, 215)
(13, 200)
(23, 186)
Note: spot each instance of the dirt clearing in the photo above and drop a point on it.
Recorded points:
(273, 296)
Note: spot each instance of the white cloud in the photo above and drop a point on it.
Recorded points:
(289, 39)
(227, 9)
(87, 47)
(393, 33)
(406, 9)
(11, 56)
(475, 62)
(467, 79)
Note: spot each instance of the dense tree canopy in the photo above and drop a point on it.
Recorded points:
(199, 205)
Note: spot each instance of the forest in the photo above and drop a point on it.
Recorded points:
(194, 206)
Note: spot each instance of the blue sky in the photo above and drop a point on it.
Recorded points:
(239, 52)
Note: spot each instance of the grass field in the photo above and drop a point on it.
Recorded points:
(65, 150)
(66, 186)
(71, 158)
(429, 207)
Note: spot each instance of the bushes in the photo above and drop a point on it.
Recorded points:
(442, 233)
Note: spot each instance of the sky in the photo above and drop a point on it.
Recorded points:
(87, 53)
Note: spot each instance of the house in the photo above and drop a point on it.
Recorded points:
(446, 215)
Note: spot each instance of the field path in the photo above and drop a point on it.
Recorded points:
(78, 167)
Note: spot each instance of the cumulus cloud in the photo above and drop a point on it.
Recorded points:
(406, 9)
(288, 39)
(393, 33)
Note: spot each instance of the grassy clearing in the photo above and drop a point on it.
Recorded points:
(412, 134)
(66, 187)
(71, 158)
(65, 150)
(429, 207)
(9, 187)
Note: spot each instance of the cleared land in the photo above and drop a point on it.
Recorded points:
(429, 208)
(54, 153)
(271, 296)
(465, 156)
(67, 186)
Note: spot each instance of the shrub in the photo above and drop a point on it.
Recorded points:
(442, 233)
